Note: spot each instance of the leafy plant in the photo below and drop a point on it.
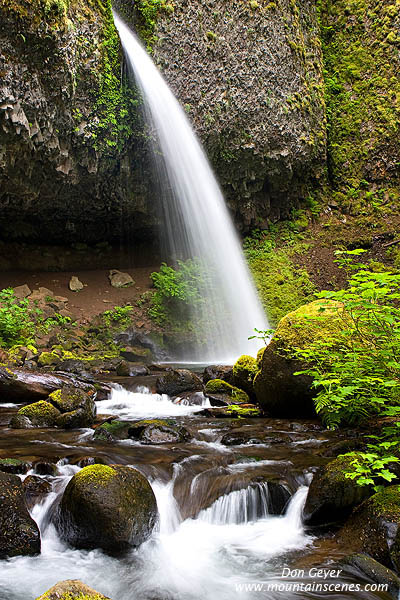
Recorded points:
(17, 319)
(119, 315)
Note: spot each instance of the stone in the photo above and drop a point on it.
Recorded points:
(77, 407)
(119, 279)
(75, 285)
(222, 393)
(374, 528)
(71, 589)
(35, 489)
(332, 496)
(244, 370)
(175, 381)
(107, 507)
(353, 564)
(14, 465)
(279, 391)
(127, 369)
(22, 291)
(218, 372)
(136, 353)
(158, 431)
(40, 414)
(19, 534)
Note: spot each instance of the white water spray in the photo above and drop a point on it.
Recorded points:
(196, 219)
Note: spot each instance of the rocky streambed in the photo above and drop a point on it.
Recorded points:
(230, 496)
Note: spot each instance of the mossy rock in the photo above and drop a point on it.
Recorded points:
(224, 393)
(77, 407)
(108, 507)
(244, 371)
(373, 528)
(332, 496)
(158, 431)
(279, 391)
(47, 359)
(71, 589)
(39, 414)
(19, 534)
(112, 431)
(14, 465)
(177, 381)
(238, 411)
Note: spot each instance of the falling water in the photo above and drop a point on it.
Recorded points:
(196, 219)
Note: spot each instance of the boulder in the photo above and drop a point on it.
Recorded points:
(175, 381)
(332, 496)
(75, 285)
(244, 371)
(373, 570)
(221, 393)
(373, 528)
(71, 589)
(14, 465)
(108, 507)
(38, 414)
(279, 391)
(28, 386)
(218, 372)
(35, 489)
(119, 279)
(127, 369)
(158, 431)
(19, 534)
(47, 359)
(77, 407)
(112, 431)
(136, 353)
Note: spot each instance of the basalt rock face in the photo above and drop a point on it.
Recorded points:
(69, 164)
(249, 76)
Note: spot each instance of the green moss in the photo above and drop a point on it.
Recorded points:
(11, 462)
(387, 503)
(237, 411)
(48, 358)
(218, 386)
(211, 36)
(41, 411)
(157, 422)
(71, 596)
(245, 368)
(260, 355)
(95, 475)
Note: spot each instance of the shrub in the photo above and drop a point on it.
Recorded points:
(17, 319)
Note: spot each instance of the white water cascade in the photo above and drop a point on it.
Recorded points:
(196, 219)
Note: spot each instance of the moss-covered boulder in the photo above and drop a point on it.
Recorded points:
(176, 381)
(332, 496)
(158, 431)
(224, 372)
(77, 407)
(71, 589)
(357, 563)
(221, 393)
(278, 390)
(48, 359)
(112, 431)
(129, 369)
(244, 371)
(14, 465)
(374, 528)
(108, 507)
(19, 534)
(38, 414)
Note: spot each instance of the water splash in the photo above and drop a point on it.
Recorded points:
(196, 219)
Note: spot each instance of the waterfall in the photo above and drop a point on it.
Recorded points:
(196, 220)
(241, 506)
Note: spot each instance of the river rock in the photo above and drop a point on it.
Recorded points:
(158, 431)
(374, 528)
(14, 465)
(136, 353)
(371, 569)
(118, 279)
(127, 369)
(71, 589)
(77, 407)
(38, 414)
(22, 291)
(218, 372)
(112, 431)
(279, 391)
(244, 370)
(332, 496)
(108, 507)
(19, 534)
(35, 489)
(75, 285)
(221, 393)
(174, 382)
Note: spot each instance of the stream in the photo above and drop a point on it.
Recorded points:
(217, 537)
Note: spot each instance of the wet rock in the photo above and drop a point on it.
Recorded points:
(279, 391)
(86, 461)
(234, 411)
(332, 496)
(73, 365)
(47, 359)
(113, 508)
(39, 414)
(112, 431)
(119, 279)
(244, 371)
(14, 465)
(35, 489)
(237, 438)
(373, 570)
(373, 528)
(22, 291)
(127, 369)
(43, 467)
(136, 353)
(71, 589)
(77, 407)
(223, 372)
(220, 392)
(75, 285)
(19, 534)
(176, 381)
(158, 431)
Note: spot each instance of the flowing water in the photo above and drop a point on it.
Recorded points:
(195, 218)
(220, 529)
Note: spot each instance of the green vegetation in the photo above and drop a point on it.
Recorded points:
(17, 319)
(282, 285)
(219, 386)
(95, 475)
(119, 316)
(149, 11)
(245, 369)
